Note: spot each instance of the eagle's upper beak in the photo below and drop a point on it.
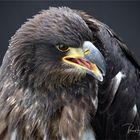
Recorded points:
(88, 58)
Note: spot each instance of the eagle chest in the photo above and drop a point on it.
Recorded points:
(73, 120)
(74, 124)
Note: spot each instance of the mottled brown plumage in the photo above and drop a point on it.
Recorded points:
(41, 98)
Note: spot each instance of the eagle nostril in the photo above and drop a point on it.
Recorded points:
(87, 52)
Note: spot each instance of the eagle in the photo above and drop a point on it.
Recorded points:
(68, 76)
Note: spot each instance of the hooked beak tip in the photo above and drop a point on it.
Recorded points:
(93, 55)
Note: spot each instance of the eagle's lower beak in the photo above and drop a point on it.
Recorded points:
(88, 58)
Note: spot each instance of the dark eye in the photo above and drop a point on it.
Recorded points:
(62, 48)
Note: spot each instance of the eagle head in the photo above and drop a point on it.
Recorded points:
(55, 48)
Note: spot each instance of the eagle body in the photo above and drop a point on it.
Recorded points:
(45, 98)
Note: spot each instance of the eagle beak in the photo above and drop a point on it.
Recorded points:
(88, 58)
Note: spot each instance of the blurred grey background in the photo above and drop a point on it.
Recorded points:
(122, 16)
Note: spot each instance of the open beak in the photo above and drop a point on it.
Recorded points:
(88, 58)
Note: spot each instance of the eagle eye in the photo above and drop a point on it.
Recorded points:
(62, 48)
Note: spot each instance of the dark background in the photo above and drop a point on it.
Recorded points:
(122, 17)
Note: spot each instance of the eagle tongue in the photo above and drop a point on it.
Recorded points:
(89, 65)
(84, 63)
(78, 61)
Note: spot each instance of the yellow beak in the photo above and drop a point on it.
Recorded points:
(81, 58)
